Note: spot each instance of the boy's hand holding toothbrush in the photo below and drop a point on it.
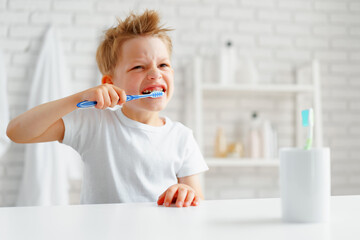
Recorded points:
(105, 95)
(110, 94)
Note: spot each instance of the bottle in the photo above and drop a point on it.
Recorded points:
(227, 64)
(220, 144)
(254, 137)
(235, 150)
(267, 139)
(275, 149)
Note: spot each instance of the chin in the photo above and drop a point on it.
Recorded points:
(152, 105)
(155, 107)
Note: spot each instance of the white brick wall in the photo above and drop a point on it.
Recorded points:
(279, 35)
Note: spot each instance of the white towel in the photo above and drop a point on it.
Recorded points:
(4, 108)
(46, 171)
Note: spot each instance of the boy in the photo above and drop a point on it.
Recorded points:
(131, 154)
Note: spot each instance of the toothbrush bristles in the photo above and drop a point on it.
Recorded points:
(157, 94)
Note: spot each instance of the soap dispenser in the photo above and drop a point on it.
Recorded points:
(254, 138)
(227, 63)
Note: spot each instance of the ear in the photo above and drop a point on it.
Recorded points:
(106, 79)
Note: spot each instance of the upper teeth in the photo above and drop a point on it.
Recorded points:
(150, 91)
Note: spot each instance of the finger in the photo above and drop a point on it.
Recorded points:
(121, 93)
(196, 201)
(182, 192)
(189, 198)
(161, 198)
(99, 99)
(175, 197)
(122, 98)
(114, 97)
(170, 194)
(107, 101)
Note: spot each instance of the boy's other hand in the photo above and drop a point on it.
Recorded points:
(106, 95)
(182, 194)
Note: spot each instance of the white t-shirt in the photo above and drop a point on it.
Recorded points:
(127, 161)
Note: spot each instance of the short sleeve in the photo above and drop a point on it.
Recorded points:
(79, 126)
(193, 162)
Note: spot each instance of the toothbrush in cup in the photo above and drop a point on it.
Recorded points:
(155, 94)
(308, 121)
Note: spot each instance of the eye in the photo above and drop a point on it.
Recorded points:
(136, 67)
(164, 65)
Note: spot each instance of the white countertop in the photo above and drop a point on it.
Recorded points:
(220, 219)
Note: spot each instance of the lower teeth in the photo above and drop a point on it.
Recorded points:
(152, 91)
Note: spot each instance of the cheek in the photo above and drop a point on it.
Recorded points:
(119, 82)
(171, 85)
(130, 85)
(170, 92)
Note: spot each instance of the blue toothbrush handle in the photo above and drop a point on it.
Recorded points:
(131, 97)
(86, 104)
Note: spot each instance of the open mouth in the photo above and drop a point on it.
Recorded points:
(156, 89)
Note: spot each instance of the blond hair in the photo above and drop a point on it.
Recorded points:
(146, 24)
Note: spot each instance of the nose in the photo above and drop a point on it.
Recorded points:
(154, 74)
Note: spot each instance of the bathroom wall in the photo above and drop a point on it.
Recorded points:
(279, 35)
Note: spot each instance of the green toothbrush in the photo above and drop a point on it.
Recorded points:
(308, 121)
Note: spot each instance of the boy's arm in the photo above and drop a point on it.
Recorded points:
(44, 123)
(194, 182)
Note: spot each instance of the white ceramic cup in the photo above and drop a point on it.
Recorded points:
(305, 184)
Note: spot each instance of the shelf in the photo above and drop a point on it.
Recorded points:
(201, 90)
(241, 162)
(271, 88)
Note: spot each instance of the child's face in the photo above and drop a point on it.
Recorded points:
(144, 66)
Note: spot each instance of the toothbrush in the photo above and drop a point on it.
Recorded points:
(155, 94)
(308, 121)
